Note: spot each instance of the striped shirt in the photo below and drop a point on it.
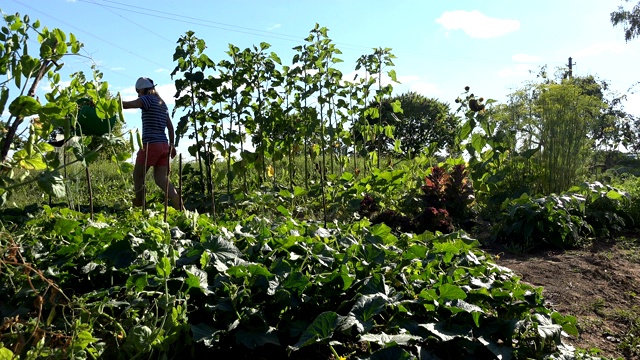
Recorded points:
(154, 119)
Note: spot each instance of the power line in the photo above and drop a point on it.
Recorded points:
(294, 37)
(250, 31)
(137, 24)
(92, 35)
(205, 23)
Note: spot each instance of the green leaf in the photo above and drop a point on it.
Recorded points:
(6, 354)
(206, 334)
(65, 227)
(139, 339)
(254, 339)
(4, 96)
(458, 305)
(299, 191)
(451, 292)
(383, 339)
(23, 106)
(3, 197)
(164, 268)
(197, 278)
(397, 106)
(382, 230)
(36, 162)
(250, 270)
(282, 210)
(321, 329)
(119, 253)
(367, 306)
(126, 168)
(415, 252)
(296, 282)
(568, 323)
(615, 195)
(83, 339)
(466, 130)
(394, 77)
(478, 142)
(52, 183)
(222, 249)
(443, 334)
(137, 282)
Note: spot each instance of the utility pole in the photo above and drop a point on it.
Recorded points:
(571, 63)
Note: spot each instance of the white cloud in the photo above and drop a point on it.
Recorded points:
(416, 84)
(274, 26)
(525, 58)
(477, 25)
(599, 49)
(118, 69)
(161, 70)
(166, 93)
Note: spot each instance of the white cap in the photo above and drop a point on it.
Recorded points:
(144, 83)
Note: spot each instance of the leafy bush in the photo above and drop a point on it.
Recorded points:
(606, 208)
(554, 220)
(562, 221)
(631, 185)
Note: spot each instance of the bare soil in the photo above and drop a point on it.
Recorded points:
(599, 285)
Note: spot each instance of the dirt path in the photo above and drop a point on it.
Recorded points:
(599, 286)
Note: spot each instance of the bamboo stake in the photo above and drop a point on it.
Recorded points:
(180, 181)
(213, 192)
(166, 186)
(86, 168)
(144, 179)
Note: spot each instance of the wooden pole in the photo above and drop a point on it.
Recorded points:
(86, 168)
(144, 178)
(166, 186)
(180, 181)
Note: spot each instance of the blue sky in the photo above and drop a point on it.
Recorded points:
(441, 46)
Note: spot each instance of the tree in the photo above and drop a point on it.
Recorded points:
(629, 19)
(564, 121)
(423, 121)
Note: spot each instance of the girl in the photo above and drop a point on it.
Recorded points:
(156, 148)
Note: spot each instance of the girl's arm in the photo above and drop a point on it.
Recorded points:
(133, 104)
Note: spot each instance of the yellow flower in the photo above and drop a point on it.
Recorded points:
(270, 171)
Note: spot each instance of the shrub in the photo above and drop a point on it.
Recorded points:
(605, 208)
(631, 185)
(554, 220)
